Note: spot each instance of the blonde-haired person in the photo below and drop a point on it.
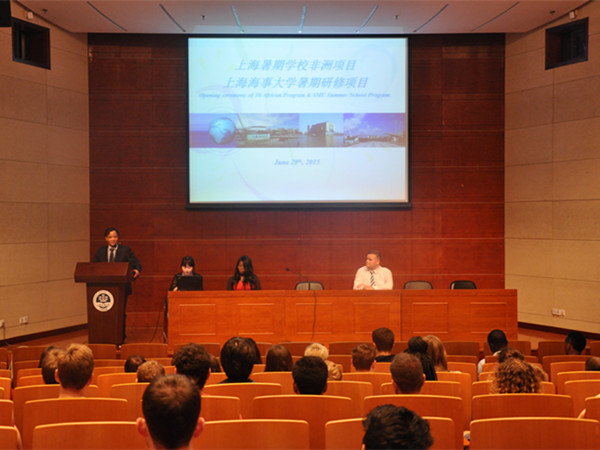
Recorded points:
(515, 376)
(320, 351)
(150, 370)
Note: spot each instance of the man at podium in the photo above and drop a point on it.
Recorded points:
(115, 252)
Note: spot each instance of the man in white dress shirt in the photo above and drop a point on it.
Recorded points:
(373, 276)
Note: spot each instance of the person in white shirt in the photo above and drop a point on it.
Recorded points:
(373, 276)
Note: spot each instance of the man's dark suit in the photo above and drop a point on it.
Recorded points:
(124, 254)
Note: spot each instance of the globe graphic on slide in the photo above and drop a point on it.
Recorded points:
(221, 131)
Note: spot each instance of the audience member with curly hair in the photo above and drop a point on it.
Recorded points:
(515, 376)
(509, 352)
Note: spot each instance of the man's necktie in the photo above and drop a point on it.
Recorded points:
(112, 255)
(372, 278)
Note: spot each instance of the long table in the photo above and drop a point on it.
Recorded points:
(344, 315)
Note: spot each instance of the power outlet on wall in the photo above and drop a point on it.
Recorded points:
(23, 320)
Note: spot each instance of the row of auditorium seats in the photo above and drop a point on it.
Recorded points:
(441, 376)
(534, 433)
(317, 411)
(25, 354)
(579, 385)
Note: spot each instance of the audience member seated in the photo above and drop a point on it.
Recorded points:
(279, 359)
(171, 407)
(149, 370)
(437, 353)
(74, 370)
(497, 341)
(418, 347)
(363, 358)
(320, 351)
(383, 339)
(237, 359)
(258, 358)
(515, 376)
(193, 361)
(215, 366)
(133, 362)
(394, 427)
(407, 374)
(45, 352)
(509, 352)
(575, 343)
(592, 363)
(310, 376)
(49, 363)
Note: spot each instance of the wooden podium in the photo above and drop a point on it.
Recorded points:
(106, 292)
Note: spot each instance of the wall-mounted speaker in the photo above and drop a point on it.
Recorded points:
(5, 18)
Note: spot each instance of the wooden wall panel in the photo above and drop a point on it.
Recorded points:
(138, 179)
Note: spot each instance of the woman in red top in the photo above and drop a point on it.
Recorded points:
(243, 278)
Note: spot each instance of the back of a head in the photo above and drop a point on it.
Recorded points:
(149, 370)
(49, 364)
(497, 340)
(215, 365)
(509, 352)
(193, 361)
(45, 352)
(237, 359)
(576, 341)
(310, 375)
(133, 362)
(515, 376)
(171, 407)
(383, 338)
(279, 359)
(363, 357)
(75, 367)
(257, 358)
(407, 373)
(316, 349)
(395, 427)
(592, 363)
(417, 344)
(436, 351)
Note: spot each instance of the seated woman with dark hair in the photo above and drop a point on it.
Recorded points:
(244, 278)
(187, 270)
(279, 359)
(417, 346)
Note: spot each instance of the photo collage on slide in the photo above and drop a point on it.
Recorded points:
(297, 130)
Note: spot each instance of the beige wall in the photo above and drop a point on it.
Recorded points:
(552, 181)
(44, 184)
